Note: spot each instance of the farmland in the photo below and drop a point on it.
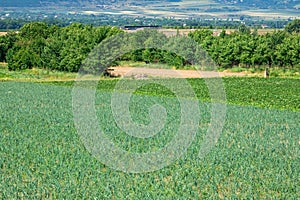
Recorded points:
(66, 134)
(165, 8)
(71, 129)
(257, 154)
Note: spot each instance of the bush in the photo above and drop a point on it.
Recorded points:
(19, 59)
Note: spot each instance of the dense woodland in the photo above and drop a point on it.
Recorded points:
(64, 48)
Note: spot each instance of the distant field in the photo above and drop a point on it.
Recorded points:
(200, 11)
(173, 32)
(271, 14)
(194, 8)
(181, 9)
(148, 12)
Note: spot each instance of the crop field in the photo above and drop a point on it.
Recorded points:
(194, 8)
(271, 14)
(257, 154)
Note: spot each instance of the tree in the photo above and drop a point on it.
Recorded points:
(28, 46)
(38, 45)
(19, 59)
(267, 45)
(223, 33)
(200, 36)
(6, 43)
(289, 51)
(244, 29)
(293, 26)
(3, 49)
(34, 30)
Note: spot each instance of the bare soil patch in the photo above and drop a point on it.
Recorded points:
(138, 72)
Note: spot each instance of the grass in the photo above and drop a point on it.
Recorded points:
(43, 156)
(143, 64)
(273, 72)
(256, 156)
(34, 74)
(282, 88)
(285, 73)
(273, 93)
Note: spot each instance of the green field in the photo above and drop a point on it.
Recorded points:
(257, 154)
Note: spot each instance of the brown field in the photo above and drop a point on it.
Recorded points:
(3, 33)
(140, 72)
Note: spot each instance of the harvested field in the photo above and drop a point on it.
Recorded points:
(139, 72)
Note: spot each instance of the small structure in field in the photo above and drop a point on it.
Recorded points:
(266, 73)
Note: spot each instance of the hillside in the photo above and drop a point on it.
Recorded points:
(261, 4)
(225, 9)
(75, 3)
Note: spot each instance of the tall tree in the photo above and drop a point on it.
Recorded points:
(293, 26)
(6, 43)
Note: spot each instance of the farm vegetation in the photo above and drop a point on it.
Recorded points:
(256, 157)
(43, 157)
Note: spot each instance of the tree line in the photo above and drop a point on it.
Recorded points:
(248, 49)
(64, 48)
(51, 47)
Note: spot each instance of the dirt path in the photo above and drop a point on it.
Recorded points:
(170, 73)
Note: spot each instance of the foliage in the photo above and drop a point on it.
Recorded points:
(293, 26)
(6, 43)
(55, 48)
(65, 48)
(244, 29)
(251, 50)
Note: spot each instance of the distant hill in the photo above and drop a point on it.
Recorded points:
(41, 3)
(262, 4)
(75, 3)
(221, 6)
(18, 3)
